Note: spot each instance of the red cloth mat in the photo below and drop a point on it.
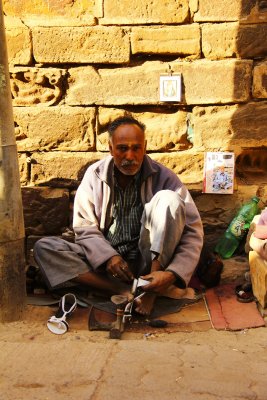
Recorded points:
(229, 314)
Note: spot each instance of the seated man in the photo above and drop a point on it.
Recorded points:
(132, 217)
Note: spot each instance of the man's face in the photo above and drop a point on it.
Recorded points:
(128, 147)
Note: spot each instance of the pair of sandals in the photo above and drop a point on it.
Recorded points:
(58, 323)
(244, 293)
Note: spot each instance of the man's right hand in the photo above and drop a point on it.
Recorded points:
(118, 268)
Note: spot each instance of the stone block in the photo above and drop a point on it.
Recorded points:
(259, 89)
(80, 45)
(144, 12)
(216, 212)
(212, 82)
(53, 8)
(220, 40)
(216, 10)
(234, 40)
(19, 46)
(135, 85)
(54, 128)
(165, 129)
(188, 165)
(23, 169)
(258, 273)
(46, 210)
(36, 86)
(250, 42)
(234, 269)
(204, 82)
(230, 127)
(33, 21)
(253, 11)
(251, 166)
(60, 169)
(183, 40)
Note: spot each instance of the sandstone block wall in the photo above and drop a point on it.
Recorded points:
(76, 65)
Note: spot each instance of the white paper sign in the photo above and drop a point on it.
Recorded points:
(170, 87)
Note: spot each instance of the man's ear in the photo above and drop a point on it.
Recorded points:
(145, 145)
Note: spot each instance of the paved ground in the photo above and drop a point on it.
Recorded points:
(83, 365)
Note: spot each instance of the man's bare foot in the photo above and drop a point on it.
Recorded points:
(173, 292)
(144, 305)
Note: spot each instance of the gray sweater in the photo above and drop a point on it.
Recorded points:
(93, 213)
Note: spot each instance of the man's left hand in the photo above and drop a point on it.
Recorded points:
(159, 281)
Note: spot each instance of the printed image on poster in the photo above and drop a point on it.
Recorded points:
(219, 173)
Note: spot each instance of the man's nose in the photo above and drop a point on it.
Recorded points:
(130, 154)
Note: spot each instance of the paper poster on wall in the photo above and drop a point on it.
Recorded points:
(219, 172)
(170, 87)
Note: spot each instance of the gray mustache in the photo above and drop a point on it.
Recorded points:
(127, 163)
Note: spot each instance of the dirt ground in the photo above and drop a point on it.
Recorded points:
(196, 363)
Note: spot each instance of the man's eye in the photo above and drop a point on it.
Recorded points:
(122, 148)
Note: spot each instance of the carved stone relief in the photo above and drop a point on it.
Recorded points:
(251, 166)
(36, 86)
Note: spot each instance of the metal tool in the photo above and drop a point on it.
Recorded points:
(118, 326)
(125, 307)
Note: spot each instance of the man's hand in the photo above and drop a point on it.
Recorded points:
(118, 268)
(160, 281)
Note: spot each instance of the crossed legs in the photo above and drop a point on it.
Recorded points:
(162, 226)
(61, 261)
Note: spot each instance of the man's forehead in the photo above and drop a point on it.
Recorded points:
(128, 143)
(128, 134)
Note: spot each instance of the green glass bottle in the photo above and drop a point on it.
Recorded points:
(237, 229)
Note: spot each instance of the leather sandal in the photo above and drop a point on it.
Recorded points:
(57, 323)
(244, 293)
